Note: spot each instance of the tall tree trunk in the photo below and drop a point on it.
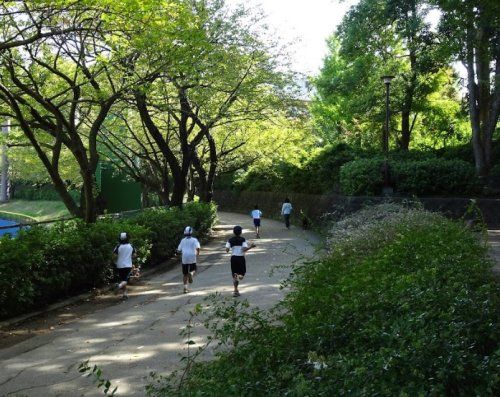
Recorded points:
(404, 142)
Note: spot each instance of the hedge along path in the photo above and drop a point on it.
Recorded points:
(135, 337)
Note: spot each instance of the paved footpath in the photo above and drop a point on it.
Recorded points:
(135, 337)
(494, 240)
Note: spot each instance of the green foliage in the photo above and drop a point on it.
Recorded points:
(44, 264)
(317, 173)
(29, 190)
(167, 225)
(404, 304)
(98, 377)
(425, 176)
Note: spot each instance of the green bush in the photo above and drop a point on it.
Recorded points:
(30, 190)
(404, 304)
(430, 176)
(44, 264)
(167, 226)
(316, 175)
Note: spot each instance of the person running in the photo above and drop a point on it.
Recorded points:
(286, 210)
(256, 214)
(190, 249)
(238, 246)
(123, 254)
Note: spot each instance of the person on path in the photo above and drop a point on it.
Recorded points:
(190, 249)
(123, 254)
(286, 210)
(238, 246)
(256, 214)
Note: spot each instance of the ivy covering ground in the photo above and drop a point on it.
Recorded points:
(403, 304)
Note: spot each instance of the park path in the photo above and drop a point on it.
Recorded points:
(135, 337)
(494, 240)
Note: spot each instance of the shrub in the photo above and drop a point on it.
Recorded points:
(431, 176)
(362, 177)
(46, 263)
(167, 226)
(404, 304)
(31, 190)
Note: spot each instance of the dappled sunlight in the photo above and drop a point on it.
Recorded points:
(124, 356)
(131, 338)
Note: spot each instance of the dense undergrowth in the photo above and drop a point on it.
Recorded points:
(403, 304)
(44, 264)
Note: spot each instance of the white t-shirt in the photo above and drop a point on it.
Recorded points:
(188, 247)
(256, 214)
(236, 245)
(286, 209)
(124, 252)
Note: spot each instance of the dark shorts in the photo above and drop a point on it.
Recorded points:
(188, 267)
(256, 222)
(124, 273)
(238, 265)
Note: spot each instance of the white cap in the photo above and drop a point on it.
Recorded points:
(123, 236)
(188, 231)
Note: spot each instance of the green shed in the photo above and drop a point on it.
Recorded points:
(118, 192)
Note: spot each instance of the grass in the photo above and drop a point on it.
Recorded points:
(39, 210)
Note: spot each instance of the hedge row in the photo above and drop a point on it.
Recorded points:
(403, 305)
(31, 190)
(432, 176)
(46, 263)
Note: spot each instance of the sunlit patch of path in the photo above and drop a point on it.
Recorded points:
(135, 337)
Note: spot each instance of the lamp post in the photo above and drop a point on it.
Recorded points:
(387, 190)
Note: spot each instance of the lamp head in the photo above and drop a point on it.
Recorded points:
(387, 79)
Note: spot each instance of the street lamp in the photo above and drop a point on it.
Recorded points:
(387, 190)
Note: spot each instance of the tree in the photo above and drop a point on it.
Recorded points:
(472, 32)
(375, 38)
(231, 77)
(60, 88)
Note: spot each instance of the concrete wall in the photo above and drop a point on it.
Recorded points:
(316, 206)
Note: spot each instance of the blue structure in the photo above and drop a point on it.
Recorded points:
(12, 230)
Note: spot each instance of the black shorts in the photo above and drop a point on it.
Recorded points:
(124, 273)
(238, 265)
(256, 222)
(188, 267)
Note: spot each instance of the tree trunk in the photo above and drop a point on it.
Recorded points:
(404, 142)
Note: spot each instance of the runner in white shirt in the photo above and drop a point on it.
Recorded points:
(190, 249)
(123, 253)
(256, 214)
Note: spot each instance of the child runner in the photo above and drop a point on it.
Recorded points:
(123, 254)
(238, 247)
(256, 214)
(190, 249)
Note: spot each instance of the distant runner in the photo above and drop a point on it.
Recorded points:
(286, 210)
(190, 249)
(256, 215)
(238, 246)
